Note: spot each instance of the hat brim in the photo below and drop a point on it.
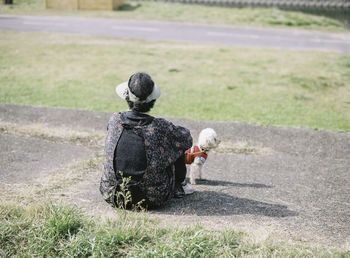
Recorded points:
(122, 91)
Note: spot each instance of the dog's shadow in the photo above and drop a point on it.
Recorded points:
(226, 183)
(211, 203)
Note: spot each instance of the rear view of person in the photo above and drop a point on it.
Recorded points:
(148, 151)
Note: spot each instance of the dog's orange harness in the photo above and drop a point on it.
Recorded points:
(194, 152)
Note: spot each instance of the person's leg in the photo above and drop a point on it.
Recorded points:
(181, 186)
(180, 169)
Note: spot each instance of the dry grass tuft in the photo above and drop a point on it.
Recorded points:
(87, 138)
(243, 148)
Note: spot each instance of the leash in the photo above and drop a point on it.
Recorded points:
(194, 153)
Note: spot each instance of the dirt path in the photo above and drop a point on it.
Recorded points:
(290, 182)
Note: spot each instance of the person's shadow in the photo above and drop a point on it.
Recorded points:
(213, 203)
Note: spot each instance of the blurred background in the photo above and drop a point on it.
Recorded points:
(255, 68)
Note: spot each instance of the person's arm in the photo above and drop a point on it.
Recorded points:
(181, 137)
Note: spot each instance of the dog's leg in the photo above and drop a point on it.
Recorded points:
(200, 172)
(196, 169)
(193, 172)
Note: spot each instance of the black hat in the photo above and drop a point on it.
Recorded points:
(140, 89)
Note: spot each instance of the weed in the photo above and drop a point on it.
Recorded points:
(124, 198)
(231, 87)
(301, 97)
(173, 70)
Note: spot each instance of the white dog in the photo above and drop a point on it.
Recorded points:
(197, 155)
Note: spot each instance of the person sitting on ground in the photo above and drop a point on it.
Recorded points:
(146, 150)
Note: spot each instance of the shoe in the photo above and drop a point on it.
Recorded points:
(188, 189)
(179, 191)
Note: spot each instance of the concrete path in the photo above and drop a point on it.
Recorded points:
(23, 159)
(183, 32)
(297, 186)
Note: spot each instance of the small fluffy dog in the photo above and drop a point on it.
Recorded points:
(197, 155)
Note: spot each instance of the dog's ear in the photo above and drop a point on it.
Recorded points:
(214, 141)
(209, 142)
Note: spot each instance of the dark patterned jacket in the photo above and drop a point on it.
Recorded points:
(164, 144)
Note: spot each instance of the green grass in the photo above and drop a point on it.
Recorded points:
(202, 82)
(63, 231)
(269, 17)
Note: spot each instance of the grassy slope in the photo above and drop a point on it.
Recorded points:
(270, 87)
(191, 13)
(61, 231)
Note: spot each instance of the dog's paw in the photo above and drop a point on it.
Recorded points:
(192, 181)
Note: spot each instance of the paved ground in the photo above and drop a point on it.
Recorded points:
(172, 31)
(299, 189)
(23, 158)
